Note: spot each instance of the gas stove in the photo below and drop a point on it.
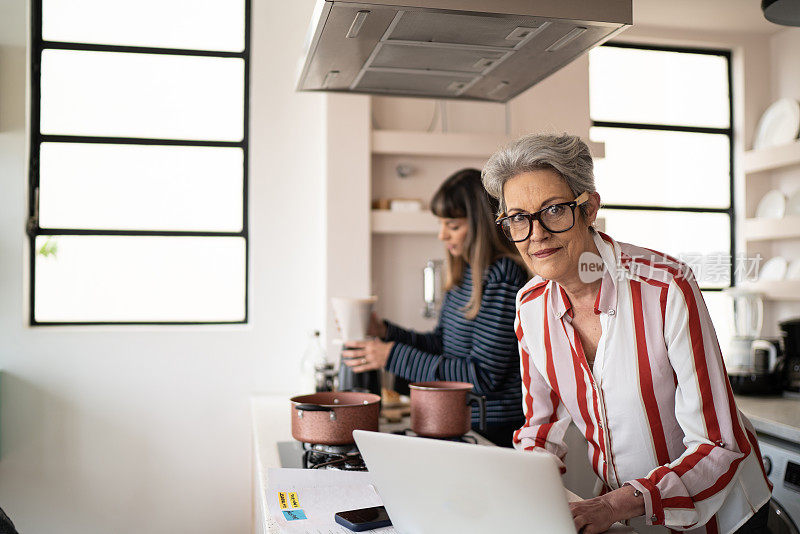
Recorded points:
(298, 455)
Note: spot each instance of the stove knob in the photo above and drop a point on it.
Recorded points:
(767, 464)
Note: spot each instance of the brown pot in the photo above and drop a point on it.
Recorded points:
(329, 418)
(442, 409)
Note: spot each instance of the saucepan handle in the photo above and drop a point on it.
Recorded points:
(312, 408)
(303, 408)
(480, 400)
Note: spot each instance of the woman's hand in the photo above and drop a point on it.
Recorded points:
(598, 514)
(592, 515)
(367, 355)
(377, 328)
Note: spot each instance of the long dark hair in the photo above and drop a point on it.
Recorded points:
(463, 195)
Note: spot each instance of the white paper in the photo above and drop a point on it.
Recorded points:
(320, 494)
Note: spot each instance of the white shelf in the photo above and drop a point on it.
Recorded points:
(776, 157)
(399, 222)
(775, 290)
(399, 142)
(772, 229)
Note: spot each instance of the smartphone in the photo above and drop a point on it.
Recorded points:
(364, 518)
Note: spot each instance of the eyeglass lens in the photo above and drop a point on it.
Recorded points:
(556, 218)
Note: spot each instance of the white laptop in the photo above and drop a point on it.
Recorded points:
(433, 486)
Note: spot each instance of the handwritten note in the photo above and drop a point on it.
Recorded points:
(322, 494)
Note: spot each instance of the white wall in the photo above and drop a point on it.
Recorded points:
(144, 429)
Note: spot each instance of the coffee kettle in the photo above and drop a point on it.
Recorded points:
(751, 362)
(748, 312)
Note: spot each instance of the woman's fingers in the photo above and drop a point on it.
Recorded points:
(591, 516)
(359, 366)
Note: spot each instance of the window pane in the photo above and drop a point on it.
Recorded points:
(700, 239)
(142, 95)
(131, 279)
(137, 187)
(658, 87)
(662, 168)
(189, 24)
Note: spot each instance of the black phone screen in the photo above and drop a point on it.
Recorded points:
(366, 518)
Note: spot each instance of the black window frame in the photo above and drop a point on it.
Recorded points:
(730, 210)
(33, 229)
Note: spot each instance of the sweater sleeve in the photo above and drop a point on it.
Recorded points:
(488, 365)
(688, 491)
(430, 342)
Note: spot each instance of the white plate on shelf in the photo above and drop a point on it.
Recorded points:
(793, 271)
(774, 269)
(793, 203)
(779, 125)
(772, 205)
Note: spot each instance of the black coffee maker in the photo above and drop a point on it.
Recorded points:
(791, 349)
(352, 315)
(365, 382)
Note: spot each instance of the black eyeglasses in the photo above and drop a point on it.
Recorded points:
(555, 218)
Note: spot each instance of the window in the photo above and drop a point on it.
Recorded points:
(138, 162)
(666, 181)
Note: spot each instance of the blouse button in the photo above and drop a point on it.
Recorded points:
(720, 443)
(653, 518)
(611, 312)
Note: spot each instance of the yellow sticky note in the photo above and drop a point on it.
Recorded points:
(283, 500)
(293, 500)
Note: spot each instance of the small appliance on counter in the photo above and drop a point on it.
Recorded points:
(791, 346)
(432, 288)
(353, 315)
(753, 364)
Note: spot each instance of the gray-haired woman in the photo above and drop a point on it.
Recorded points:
(617, 339)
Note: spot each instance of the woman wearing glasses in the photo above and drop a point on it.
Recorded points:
(474, 340)
(617, 339)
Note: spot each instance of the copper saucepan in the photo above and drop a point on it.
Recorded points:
(443, 409)
(329, 418)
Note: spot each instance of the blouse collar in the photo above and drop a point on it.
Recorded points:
(606, 301)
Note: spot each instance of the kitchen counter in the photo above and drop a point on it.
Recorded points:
(271, 423)
(775, 416)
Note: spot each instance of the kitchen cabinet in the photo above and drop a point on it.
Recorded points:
(772, 168)
(771, 158)
(772, 229)
(398, 222)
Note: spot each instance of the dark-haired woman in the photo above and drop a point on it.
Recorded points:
(474, 340)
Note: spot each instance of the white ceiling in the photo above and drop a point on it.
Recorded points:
(715, 15)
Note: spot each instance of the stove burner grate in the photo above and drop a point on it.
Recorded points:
(338, 457)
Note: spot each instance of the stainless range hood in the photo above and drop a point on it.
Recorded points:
(488, 50)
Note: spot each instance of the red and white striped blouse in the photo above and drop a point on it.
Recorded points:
(657, 408)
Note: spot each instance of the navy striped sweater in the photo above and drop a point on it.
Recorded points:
(482, 351)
